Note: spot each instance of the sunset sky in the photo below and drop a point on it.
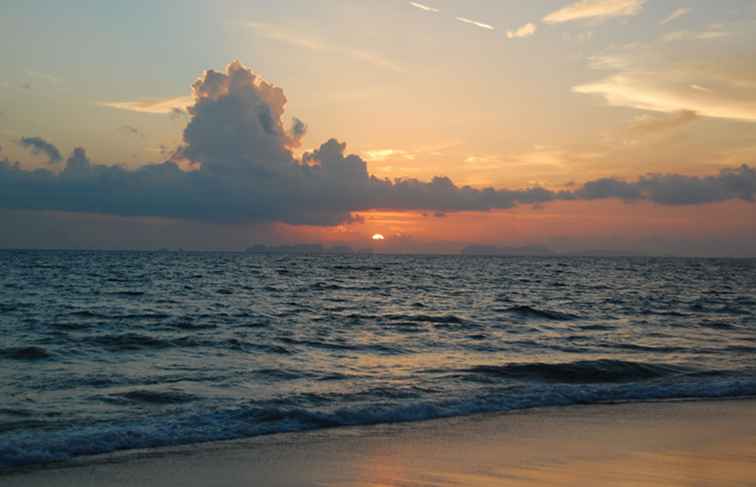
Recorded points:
(625, 125)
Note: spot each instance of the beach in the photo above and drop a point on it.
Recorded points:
(657, 443)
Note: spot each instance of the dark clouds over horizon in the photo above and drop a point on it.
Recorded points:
(246, 172)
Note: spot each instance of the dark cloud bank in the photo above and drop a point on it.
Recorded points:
(247, 173)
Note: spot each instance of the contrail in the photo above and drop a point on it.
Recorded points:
(475, 23)
(424, 7)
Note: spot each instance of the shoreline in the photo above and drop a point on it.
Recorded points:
(556, 446)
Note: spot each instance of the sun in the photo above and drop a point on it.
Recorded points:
(378, 236)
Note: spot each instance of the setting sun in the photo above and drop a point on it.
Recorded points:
(568, 194)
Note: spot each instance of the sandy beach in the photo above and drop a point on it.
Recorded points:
(665, 444)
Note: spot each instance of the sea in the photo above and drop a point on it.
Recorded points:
(108, 351)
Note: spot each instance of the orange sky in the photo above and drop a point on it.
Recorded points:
(565, 226)
(515, 95)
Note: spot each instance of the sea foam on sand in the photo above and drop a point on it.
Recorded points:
(662, 443)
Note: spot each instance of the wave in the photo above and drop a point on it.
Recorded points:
(634, 347)
(581, 372)
(325, 286)
(106, 316)
(336, 346)
(357, 268)
(672, 313)
(18, 448)
(155, 397)
(717, 325)
(25, 353)
(596, 327)
(9, 307)
(126, 294)
(136, 341)
(705, 307)
(536, 313)
(422, 318)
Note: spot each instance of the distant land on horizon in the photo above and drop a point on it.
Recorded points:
(469, 250)
(473, 250)
(304, 249)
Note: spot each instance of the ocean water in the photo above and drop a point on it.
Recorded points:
(104, 351)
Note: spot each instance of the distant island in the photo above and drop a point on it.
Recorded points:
(530, 250)
(473, 249)
(304, 249)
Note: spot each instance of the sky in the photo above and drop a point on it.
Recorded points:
(619, 125)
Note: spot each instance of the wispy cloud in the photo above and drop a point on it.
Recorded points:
(48, 78)
(38, 145)
(280, 34)
(375, 155)
(646, 92)
(163, 106)
(685, 35)
(475, 23)
(593, 9)
(653, 125)
(424, 7)
(680, 12)
(131, 130)
(526, 30)
(276, 33)
(657, 78)
(384, 154)
(578, 36)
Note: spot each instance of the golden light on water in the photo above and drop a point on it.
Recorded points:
(378, 237)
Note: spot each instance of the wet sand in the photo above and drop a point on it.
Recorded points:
(661, 444)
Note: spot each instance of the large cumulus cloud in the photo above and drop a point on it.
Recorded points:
(245, 171)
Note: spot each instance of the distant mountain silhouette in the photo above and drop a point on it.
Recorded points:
(299, 249)
(494, 250)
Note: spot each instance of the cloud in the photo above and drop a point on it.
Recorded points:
(700, 88)
(277, 33)
(407, 154)
(526, 30)
(298, 128)
(38, 145)
(129, 130)
(376, 155)
(424, 7)
(645, 92)
(676, 189)
(680, 12)
(660, 78)
(578, 36)
(280, 34)
(244, 170)
(651, 125)
(595, 9)
(47, 78)
(164, 106)
(177, 113)
(475, 23)
(685, 35)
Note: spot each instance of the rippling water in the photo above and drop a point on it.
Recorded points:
(104, 351)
